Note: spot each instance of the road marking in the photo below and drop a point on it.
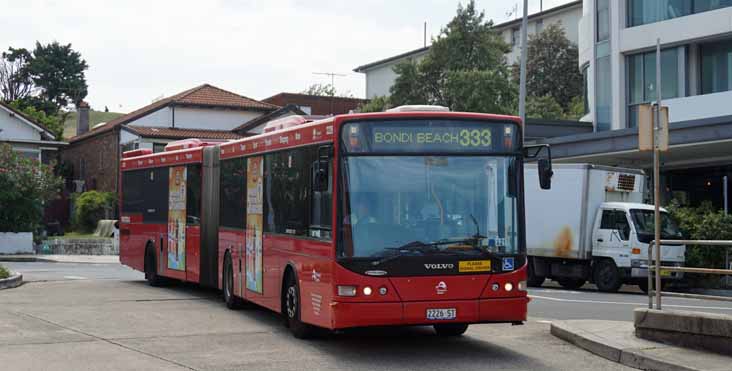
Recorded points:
(75, 278)
(543, 321)
(624, 303)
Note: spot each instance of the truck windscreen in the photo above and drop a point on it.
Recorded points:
(429, 136)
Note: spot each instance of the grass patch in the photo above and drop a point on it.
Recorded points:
(78, 235)
(95, 117)
(4, 272)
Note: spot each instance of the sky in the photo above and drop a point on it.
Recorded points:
(139, 51)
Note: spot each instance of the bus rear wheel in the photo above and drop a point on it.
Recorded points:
(291, 309)
(151, 268)
(451, 329)
(232, 302)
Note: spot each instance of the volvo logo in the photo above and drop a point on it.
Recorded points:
(441, 288)
(439, 266)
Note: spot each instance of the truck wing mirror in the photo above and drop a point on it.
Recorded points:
(545, 173)
(544, 164)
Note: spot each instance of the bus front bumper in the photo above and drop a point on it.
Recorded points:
(495, 310)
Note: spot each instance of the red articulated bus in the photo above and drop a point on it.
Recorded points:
(413, 216)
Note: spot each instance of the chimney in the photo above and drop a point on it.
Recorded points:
(82, 119)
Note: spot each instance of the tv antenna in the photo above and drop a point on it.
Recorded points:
(332, 85)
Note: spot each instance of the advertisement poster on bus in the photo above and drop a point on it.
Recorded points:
(254, 224)
(177, 218)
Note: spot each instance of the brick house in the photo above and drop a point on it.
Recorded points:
(204, 112)
(316, 104)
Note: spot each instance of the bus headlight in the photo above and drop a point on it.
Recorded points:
(367, 290)
(346, 290)
(496, 287)
(522, 286)
(508, 286)
(383, 290)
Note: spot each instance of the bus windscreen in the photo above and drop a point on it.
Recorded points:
(430, 136)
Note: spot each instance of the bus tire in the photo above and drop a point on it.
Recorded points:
(232, 302)
(291, 309)
(151, 267)
(607, 276)
(451, 329)
(533, 280)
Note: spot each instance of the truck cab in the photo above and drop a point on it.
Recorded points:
(623, 233)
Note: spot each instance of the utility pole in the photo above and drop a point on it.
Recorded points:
(332, 85)
(522, 82)
(424, 37)
(657, 175)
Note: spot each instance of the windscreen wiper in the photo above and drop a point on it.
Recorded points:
(419, 246)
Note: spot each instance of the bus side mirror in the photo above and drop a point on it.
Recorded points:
(545, 173)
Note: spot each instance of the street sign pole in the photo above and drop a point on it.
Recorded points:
(656, 175)
(522, 72)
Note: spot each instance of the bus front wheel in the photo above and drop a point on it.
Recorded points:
(451, 329)
(291, 309)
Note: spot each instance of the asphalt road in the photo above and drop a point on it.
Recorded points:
(548, 303)
(103, 316)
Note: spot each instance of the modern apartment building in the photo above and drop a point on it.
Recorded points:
(617, 42)
(380, 75)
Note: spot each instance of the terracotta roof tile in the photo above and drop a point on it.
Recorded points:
(203, 95)
(175, 133)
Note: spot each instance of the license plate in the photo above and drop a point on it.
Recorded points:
(665, 273)
(441, 314)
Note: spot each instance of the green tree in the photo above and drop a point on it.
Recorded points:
(326, 90)
(465, 69)
(544, 107)
(552, 67)
(53, 123)
(25, 185)
(376, 104)
(14, 80)
(576, 108)
(57, 71)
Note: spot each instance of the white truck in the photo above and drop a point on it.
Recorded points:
(592, 226)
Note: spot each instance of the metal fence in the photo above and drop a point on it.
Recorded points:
(656, 267)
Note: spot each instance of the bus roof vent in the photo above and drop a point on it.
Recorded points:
(137, 152)
(284, 123)
(419, 108)
(184, 144)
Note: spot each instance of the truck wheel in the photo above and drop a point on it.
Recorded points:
(607, 276)
(451, 329)
(533, 280)
(232, 302)
(571, 283)
(291, 309)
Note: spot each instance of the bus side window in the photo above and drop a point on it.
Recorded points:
(321, 196)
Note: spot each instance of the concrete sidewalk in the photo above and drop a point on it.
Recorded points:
(615, 340)
(90, 259)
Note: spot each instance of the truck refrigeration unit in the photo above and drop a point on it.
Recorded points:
(592, 225)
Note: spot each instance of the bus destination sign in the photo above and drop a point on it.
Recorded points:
(443, 136)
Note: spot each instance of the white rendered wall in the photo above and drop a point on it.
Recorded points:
(380, 79)
(196, 118)
(568, 18)
(699, 106)
(15, 129)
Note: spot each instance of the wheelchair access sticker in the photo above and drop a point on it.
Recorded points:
(507, 264)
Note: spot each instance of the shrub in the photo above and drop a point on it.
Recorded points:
(90, 207)
(25, 185)
(703, 223)
(4, 272)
